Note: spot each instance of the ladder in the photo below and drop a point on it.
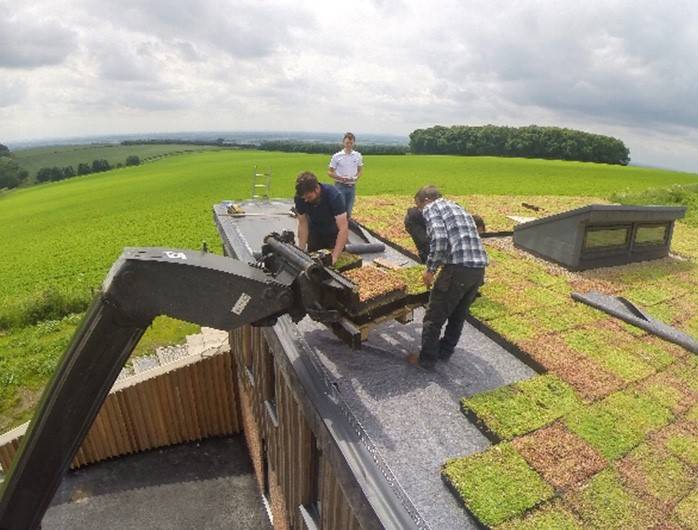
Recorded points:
(261, 183)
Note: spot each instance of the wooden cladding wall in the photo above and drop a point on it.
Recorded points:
(336, 512)
(291, 470)
(187, 400)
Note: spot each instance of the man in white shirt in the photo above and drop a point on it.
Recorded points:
(345, 168)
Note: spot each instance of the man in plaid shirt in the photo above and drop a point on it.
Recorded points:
(455, 247)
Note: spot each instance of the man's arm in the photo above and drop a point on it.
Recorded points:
(302, 231)
(342, 236)
(438, 245)
(359, 166)
(332, 169)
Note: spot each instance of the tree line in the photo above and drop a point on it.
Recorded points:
(531, 141)
(288, 146)
(296, 146)
(54, 174)
(11, 174)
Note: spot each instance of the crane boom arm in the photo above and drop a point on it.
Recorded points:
(143, 283)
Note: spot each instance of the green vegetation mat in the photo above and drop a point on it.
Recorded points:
(618, 423)
(605, 349)
(654, 472)
(496, 485)
(687, 511)
(562, 458)
(605, 504)
(412, 276)
(551, 516)
(347, 260)
(522, 407)
(684, 444)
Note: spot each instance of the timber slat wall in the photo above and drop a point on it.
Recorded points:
(290, 468)
(338, 514)
(189, 399)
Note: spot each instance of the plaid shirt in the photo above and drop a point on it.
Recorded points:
(453, 237)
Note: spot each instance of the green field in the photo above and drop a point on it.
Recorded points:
(59, 239)
(35, 158)
(66, 234)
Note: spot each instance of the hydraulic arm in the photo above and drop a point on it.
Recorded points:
(143, 283)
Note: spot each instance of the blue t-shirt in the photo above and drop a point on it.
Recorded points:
(322, 215)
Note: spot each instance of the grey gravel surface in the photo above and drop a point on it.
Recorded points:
(206, 485)
(413, 416)
(169, 354)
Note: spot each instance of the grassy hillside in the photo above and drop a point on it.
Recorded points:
(35, 158)
(59, 239)
(66, 234)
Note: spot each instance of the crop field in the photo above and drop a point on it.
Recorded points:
(65, 235)
(34, 158)
(59, 239)
(606, 436)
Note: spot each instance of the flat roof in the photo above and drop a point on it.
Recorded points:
(410, 419)
(668, 213)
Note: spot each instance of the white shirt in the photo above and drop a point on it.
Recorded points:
(347, 165)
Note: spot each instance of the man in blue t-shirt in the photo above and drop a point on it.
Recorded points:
(322, 216)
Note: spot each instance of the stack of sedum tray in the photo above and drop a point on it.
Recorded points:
(379, 294)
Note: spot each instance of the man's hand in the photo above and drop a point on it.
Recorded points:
(428, 278)
(342, 236)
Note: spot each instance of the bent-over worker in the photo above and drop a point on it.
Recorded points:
(416, 227)
(322, 216)
(455, 246)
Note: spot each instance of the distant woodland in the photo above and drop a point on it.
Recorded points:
(527, 142)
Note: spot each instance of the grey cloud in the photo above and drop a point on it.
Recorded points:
(121, 64)
(245, 30)
(153, 101)
(391, 7)
(99, 97)
(187, 51)
(11, 92)
(287, 93)
(595, 60)
(26, 42)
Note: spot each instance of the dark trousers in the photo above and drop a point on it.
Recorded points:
(319, 241)
(454, 290)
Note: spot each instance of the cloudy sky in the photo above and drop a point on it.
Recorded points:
(627, 69)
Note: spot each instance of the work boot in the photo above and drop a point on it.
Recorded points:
(417, 360)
